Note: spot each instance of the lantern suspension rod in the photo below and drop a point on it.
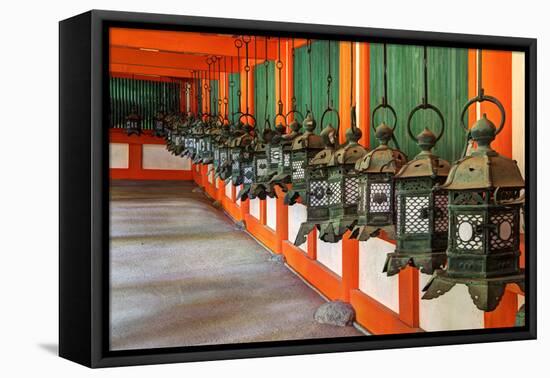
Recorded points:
(480, 90)
(352, 84)
(310, 76)
(238, 45)
(247, 70)
(254, 76)
(279, 68)
(225, 102)
(425, 98)
(385, 98)
(266, 65)
(230, 85)
(329, 79)
(293, 100)
(219, 85)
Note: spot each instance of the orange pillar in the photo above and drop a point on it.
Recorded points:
(363, 76)
(409, 296)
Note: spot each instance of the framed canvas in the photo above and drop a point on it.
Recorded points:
(236, 188)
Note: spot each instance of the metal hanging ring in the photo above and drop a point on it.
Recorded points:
(426, 107)
(294, 111)
(238, 43)
(246, 39)
(331, 110)
(384, 106)
(482, 98)
(247, 115)
(279, 115)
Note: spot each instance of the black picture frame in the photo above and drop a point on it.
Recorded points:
(84, 191)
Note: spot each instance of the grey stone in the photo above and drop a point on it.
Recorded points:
(278, 258)
(336, 313)
(240, 225)
(197, 190)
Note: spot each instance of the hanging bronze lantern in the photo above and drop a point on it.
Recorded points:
(282, 171)
(240, 153)
(421, 220)
(159, 123)
(304, 148)
(376, 170)
(317, 193)
(133, 123)
(484, 216)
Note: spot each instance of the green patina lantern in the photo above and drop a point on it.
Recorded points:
(317, 194)
(421, 220)
(343, 187)
(260, 164)
(133, 123)
(241, 153)
(376, 171)
(220, 147)
(484, 217)
(160, 123)
(282, 171)
(303, 149)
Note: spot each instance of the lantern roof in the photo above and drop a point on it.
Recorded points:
(484, 168)
(308, 139)
(383, 159)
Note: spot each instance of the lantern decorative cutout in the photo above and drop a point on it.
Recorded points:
(376, 170)
(159, 124)
(421, 206)
(274, 151)
(241, 154)
(343, 187)
(303, 149)
(133, 123)
(484, 217)
(317, 193)
(283, 170)
(260, 164)
(221, 151)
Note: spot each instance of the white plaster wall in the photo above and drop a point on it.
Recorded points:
(521, 301)
(155, 156)
(228, 189)
(119, 155)
(452, 311)
(372, 281)
(238, 200)
(297, 214)
(255, 208)
(330, 255)
(211, 175)
(271, 211)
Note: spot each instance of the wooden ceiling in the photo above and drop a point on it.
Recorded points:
(178, 54)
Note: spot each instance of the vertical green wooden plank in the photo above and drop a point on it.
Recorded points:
(319, 72)
(447, 89)
(260, 88)
(234, 80)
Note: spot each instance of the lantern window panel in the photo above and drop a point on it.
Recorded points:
(351, 189)
(223, 156)
(286, 159)
(248, 174)
(298, 171)
(334, 193)
(441, 220)
(398, 218)
(275, 155)
(318, 193)
(261, 166)
(466, 237)
(417, 220)
(380, 197)
(502, 235)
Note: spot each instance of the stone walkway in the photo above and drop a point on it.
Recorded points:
(183, 274)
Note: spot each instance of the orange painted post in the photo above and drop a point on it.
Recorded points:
(363, 102)
(350, 266)
(263, 212)
(505, 314)
(409, 296)
(497, 82)
(345, 88)
(281, 229)
(312, 244)
(135, 156)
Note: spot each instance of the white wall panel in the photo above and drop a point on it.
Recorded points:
(297, 214)
(228, 189)
(330, 255)
(211, 174)
(255, 208)
(119, 155)
(238, 200)
(452, 311)
(374, 283)
(155, 156)
(518, 109)
(271, 219)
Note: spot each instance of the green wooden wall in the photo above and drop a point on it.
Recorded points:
(146, 95)
(214, 95)
(233, 98)
(260, 94)
(447, 89)
(319, 70)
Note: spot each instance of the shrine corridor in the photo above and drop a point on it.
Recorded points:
(183, 274)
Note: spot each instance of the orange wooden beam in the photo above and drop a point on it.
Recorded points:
(183, 42)
(136, 69)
